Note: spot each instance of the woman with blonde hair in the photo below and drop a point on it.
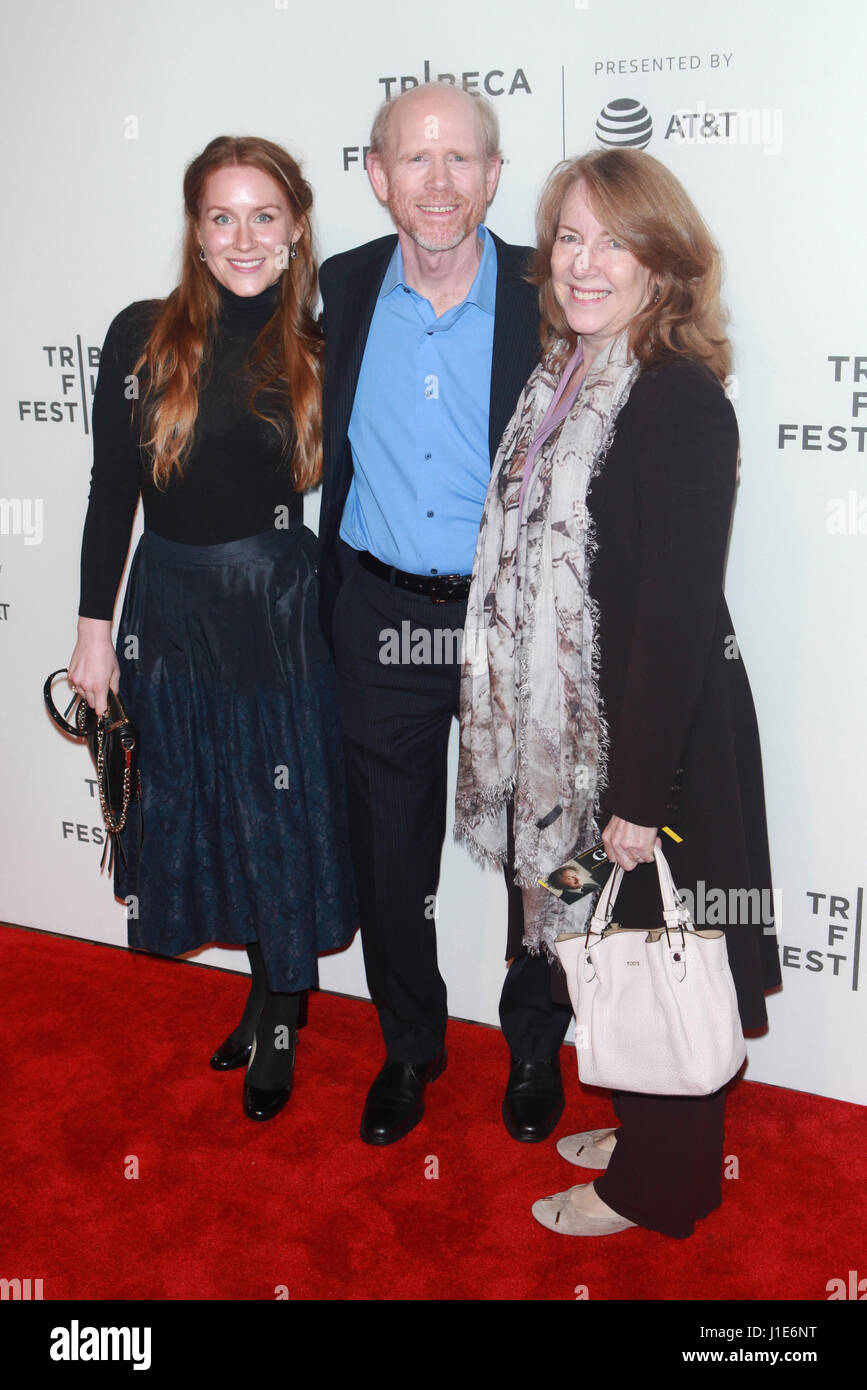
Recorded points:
(613, 694)
(208, 405)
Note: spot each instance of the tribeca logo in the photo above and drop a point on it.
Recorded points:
(495, 83)
(77, 365)
(22, 516)
(23, 1290)
(75, 1343)
(849, 371)
(468, 80)
(419, 646)
(842, 923)
(86, 835)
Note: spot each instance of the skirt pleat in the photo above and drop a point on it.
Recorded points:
(226, 674)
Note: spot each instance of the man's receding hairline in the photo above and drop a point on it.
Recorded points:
(385, 116)
(419, 92)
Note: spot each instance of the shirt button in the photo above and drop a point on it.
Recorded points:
(434, 571)
(430, 513)
(427, 456)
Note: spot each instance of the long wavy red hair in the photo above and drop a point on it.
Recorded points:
(640, 202)
(285, 359)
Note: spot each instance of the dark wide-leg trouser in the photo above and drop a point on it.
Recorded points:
(666, 1169)
(398, 669)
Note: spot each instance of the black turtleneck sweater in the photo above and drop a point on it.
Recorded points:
(233, 478)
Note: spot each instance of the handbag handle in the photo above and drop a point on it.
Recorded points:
(675, 914)
(74, 729)
(87, 718)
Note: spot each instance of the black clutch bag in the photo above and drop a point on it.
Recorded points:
(113, 741)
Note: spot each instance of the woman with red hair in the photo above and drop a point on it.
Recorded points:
(603, 694)
(208, 405)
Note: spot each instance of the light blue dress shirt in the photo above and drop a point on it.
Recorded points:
(419, 425)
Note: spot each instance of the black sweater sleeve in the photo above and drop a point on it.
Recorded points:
(115, 477)
(685, 438)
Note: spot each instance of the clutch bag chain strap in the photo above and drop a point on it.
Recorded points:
(113, 826)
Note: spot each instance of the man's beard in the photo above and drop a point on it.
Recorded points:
(469, 214)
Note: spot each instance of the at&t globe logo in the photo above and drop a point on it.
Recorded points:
(624, 124)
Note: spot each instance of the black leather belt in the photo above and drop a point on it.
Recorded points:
(439, 588)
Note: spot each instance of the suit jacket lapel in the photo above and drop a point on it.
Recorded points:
(357, 315)
(516, 344)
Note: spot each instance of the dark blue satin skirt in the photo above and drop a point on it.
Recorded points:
(225, 671)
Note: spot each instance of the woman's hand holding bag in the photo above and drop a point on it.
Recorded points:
(114, 746)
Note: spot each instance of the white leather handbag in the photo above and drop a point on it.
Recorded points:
(655, 1013)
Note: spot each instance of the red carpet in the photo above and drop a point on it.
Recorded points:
(106, 1061)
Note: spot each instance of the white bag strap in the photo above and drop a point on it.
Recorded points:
(675, 914)
(605, 903)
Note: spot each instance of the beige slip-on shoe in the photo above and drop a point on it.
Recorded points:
(583, 1150)
(559, 1214)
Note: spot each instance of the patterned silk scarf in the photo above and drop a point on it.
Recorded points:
(532, 730)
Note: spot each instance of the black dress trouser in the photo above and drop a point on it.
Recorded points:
(396, 716)
(665, 1172)
(666, 1169)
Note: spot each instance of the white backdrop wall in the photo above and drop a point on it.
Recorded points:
(756, 106)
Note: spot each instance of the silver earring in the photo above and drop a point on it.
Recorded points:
(656, 294)
(293, 254)
(202, 256)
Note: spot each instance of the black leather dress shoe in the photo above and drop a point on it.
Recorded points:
(395, 1101)
(228, 1056)
(534, 1099)
(263, 1104)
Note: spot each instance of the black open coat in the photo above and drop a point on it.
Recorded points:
(684, 741)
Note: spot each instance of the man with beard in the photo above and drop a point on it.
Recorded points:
(430, 337)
